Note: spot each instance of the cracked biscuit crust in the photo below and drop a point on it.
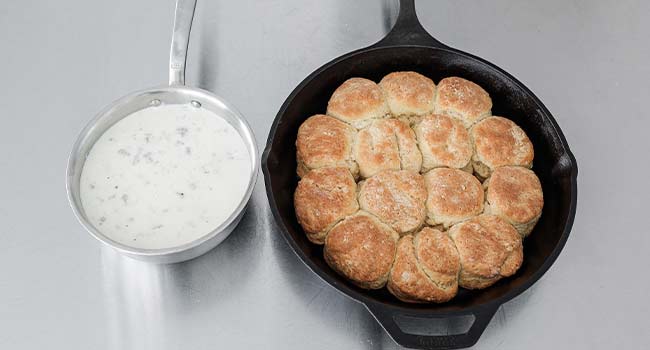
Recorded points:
(489, 249)
(426, 268)
(387, 144)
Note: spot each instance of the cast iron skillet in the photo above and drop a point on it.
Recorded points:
(408, 47)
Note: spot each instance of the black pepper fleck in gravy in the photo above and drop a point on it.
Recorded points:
(148, 157)
(182, 131)
(123, 152)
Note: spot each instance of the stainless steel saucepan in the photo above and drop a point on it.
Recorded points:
(174, 93)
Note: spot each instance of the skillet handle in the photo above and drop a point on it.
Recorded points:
(432, 342)
(408, 30)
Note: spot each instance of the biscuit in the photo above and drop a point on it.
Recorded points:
(462, 99)
(497, 142)
(361, 249)
(397, 198)
(410, 95)
(386, 144)
(426, 268)
(323, 141)
(515, 194)
(444, 142)
(453, 196)
(358, 101)
(324, 197)
(489, 249)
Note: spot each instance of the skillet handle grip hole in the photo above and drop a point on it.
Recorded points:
(433, 332)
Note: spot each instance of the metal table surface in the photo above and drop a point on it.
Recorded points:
(63, 60)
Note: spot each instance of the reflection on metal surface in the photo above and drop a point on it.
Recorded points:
(389, 11)
(134, 297)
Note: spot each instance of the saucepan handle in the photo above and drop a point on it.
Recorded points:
(432, 342)
(183, 17)
(408, 30)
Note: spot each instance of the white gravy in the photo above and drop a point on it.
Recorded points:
(164, 176)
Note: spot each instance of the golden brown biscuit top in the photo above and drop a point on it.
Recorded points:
(387, 144)
(357, 99)
(362, 247)
(324, 141)
(395, 197)
(408, 93)
(437, 253)
(517, 192)
(462, 98)
(499, 141)
(324, 196)
(484, 243)
(445, 139)
(453, 192)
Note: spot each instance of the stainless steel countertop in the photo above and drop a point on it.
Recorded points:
(63, 60)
